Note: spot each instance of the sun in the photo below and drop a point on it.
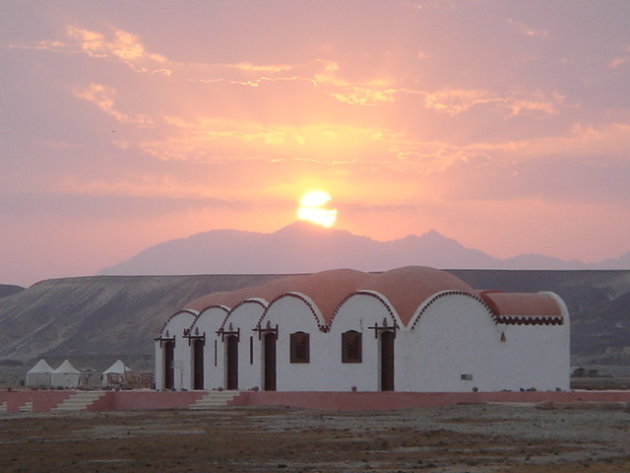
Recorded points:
(313, 209)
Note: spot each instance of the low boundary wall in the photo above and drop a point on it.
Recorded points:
(43, 401)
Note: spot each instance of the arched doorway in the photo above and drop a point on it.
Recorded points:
(387, 360)
(197, 349)
(169, 368)
(231, 355)
(269, 361)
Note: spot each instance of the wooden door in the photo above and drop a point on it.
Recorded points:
(169, 368)
(198, 346)
(232, 362)
(387, 361)
(270, 362)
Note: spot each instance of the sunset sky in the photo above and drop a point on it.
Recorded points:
(502, 124)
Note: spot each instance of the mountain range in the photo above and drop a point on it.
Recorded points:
(305, 248)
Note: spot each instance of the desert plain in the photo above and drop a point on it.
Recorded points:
(488, 438)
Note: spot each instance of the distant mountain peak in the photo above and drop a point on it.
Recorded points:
(303, 247)
(433, 234)
(301, 226)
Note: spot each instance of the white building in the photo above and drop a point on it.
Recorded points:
(408, 329)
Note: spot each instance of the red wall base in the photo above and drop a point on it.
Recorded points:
(44, 401)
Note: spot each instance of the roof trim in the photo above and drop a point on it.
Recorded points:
(194, 313)
(220, 307)
(254, 300)
(319, 319)
(430, 301)
(530, 319)
(377, 295)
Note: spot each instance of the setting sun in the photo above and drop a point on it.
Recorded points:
(312, 209)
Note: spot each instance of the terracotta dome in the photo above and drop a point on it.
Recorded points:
(405, 288)
(227, 298)
(522, 304)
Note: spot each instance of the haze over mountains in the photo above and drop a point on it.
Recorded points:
(304, 248)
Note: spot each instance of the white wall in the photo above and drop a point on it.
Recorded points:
(208, 322)
(454, 336)
(293, 314)
(244, 317)
(182, 374)
(539, 356)
(359, 312)
(457, 335)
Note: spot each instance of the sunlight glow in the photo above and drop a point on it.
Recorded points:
(312, 209)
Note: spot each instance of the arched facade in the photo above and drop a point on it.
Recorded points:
(288, 315)
(172, 357)
(207, 323)
(411, 329)
(241, 369)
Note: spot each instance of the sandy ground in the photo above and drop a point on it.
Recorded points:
(458, 439)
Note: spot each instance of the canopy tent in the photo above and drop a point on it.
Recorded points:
(65, 376)
(39, 375)
(115, 374)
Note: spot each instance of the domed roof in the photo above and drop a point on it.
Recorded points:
(327, 289)
(405, 288)
(226, 298)
(523, 304)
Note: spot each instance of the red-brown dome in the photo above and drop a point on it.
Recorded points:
(510, 303)
(405, 288)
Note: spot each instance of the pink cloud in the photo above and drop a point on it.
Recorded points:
(103, 97)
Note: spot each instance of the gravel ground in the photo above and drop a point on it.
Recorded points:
(459, 439)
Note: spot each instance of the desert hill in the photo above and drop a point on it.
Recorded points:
(100, 315)
(118, 316)
(8, 289)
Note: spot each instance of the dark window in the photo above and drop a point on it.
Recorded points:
(300, 347)
(351, 347)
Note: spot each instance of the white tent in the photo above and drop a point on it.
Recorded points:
(39, 375)
(115, 374)
(65, 376)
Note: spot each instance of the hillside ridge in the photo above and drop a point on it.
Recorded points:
(120, 315)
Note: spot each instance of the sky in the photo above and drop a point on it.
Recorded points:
(502, 124)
